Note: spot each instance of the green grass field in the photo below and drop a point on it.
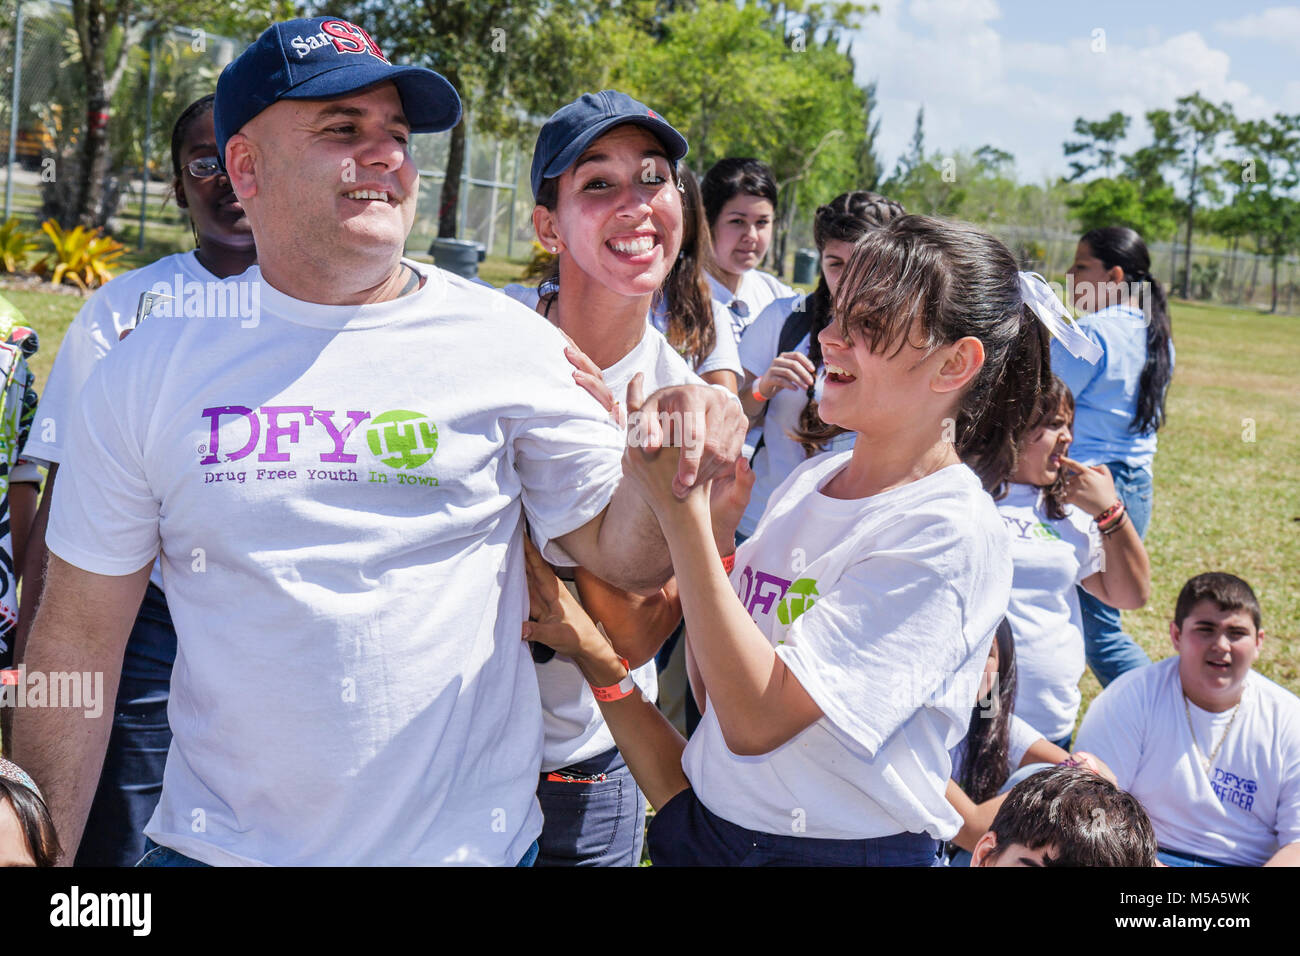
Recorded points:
(1227, 475)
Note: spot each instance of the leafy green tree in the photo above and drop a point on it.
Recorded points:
(1100, 145)
(1124, 202)
(1197, 126)
(1270, 174)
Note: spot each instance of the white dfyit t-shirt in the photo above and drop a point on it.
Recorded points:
(339, 494)
(884, 609)
(1050, 558)
(1240, 813)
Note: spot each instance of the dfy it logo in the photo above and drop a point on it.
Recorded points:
(402, 439)
(270, 436)
(800, 597)
(1234, 790)
(1032, 530)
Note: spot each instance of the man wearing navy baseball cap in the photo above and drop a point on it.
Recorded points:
(338, 491)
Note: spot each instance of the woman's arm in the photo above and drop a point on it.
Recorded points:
(648, 742)
(759, 702)
(637, 626)
(1125, 579)
(724, 377)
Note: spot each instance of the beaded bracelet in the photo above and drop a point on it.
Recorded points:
(1114, 525)
(1109, 513)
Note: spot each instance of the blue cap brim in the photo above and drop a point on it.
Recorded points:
(430, 103)
(674, 143)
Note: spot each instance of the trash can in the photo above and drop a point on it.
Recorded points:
(460, 256)
(805, 267)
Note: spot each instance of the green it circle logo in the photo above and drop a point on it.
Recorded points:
(402, 439)
(801, 596)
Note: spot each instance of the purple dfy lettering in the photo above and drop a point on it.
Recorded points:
(339, 437)
(766, 597)
(275, 431)
(214, 415)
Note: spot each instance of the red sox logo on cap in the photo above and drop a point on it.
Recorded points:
(343, 36)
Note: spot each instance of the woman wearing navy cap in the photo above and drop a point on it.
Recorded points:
(609, 208)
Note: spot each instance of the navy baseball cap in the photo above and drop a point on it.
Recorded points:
(318, 59)
(571, 129)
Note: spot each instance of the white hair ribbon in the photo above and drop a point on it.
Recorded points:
(1038, 295)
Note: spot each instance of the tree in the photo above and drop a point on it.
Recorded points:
(1197, 125)
(1270, 174)
(1124, 202)
(1103, 137)
(106, 32)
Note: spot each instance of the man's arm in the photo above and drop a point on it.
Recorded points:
(1289, 855)
(624, 543)
(83, 625)
(33, 566)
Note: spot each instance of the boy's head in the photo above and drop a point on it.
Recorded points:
(1216, 632)
(1067, 816)
(27, 836)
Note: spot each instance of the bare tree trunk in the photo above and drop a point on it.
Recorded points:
(94, 27)
(1191, 214)
(449, 200)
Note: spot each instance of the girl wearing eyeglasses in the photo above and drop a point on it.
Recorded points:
(133, 767)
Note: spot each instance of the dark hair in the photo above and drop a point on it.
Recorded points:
(846, 218)
(1055, 397)
(181, 128)
(948, 280)
(988, 737)
(685, 292)
(1121, 246)
(728, 178)
(34, 818)
(1227, 591)
(1083, 817)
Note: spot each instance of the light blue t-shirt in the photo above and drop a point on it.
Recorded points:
(1106, 394)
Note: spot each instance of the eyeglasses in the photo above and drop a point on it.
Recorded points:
(204, 168)
(739, 308)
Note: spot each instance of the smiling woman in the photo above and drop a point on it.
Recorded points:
(609, 208)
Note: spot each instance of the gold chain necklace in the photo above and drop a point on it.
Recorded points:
(1207, 762)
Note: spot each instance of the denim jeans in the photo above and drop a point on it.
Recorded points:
(155, 855)
(1171, 858)
(684, 832)
(1110, 651)
(131, 781)
(594, 814)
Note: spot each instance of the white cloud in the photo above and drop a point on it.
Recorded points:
(1023, 96)
(1276, 25)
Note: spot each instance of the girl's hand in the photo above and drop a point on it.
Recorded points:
(788, 370)
(728, 500)
(556, 619)
(590, 377)
(1094, 763)
(652, 456)
(1088, 487)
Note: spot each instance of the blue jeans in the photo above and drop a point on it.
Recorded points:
(156, 855)
(131, 781)
(594, 814)
(684, 832)
(1110, 651)
(1171, 858)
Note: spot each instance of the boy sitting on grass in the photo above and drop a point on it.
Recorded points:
(1210, 747)
(1067, 816)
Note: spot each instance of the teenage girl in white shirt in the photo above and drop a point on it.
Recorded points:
(830, 704)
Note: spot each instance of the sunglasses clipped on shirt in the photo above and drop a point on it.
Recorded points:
(204, 168)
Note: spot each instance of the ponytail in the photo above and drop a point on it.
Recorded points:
(1123, 247)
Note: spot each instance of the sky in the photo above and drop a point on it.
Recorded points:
(1016, 74)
